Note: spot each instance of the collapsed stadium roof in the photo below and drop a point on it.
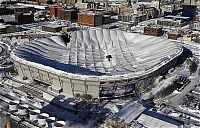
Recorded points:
(98, 54)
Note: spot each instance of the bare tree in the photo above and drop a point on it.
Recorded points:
(193, 67)
(87, 97)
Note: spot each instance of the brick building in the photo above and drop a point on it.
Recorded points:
(90, 19)
(55, 10)
(69, 15)
(173, 36)
(153, 31)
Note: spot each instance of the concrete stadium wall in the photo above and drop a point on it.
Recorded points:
(59, 83)
(66, 86)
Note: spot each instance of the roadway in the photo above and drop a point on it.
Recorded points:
(161, 86)
(195, 48)
(164, 83)
(175, 100)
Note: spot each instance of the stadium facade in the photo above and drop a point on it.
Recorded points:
(99, 62)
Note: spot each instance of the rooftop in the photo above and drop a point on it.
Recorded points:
(177, 17)
(130, 112)
(99, 52)
(53, 25)
(156, 120)
(8, 18)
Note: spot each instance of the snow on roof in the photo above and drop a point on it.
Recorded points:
(51, 25)
(31, 5)
(130, 112)
(185, 73)
(179, 17)
(85, 56)
(156, 122)
(8, 18)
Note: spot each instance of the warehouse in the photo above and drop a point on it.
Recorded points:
(99, 62)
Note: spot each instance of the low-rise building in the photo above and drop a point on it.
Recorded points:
(154, 31)
(195, 36)
(168, 22)
(70, 2)
(172, 21)
(69, 14)
(174, 35)
(153, 119)
(79, 4)
(90, 19)
(64, 14)
(12, 9)
(187, 38)
(196, 25)
(126, 115)
(183, 19)
(136, 18)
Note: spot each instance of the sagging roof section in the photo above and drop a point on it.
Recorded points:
(88, 50)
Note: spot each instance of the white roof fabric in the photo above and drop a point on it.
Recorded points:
(86, 53)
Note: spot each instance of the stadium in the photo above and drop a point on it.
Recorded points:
(100, 62)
